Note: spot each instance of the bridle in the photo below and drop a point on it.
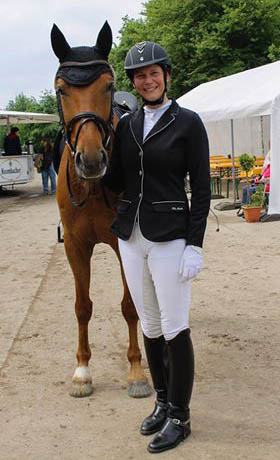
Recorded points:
(105, 128)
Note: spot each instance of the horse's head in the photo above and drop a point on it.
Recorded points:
(84, 88)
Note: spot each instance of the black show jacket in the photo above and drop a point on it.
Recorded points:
(151, 174)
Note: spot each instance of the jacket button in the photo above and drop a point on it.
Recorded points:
(140, 154)
(140, 195)
(140, 173)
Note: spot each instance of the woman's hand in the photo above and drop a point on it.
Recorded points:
(191, 263)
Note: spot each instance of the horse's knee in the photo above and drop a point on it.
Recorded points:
(83, 311)
(128, 310)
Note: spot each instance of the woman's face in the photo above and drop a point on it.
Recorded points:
(149, 82)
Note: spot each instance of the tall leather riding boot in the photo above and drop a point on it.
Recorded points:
(156, 357)
(177, 426)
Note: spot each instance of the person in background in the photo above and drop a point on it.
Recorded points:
(160, 237)
(47, 168)
(12, 144)
(267, 159)
(264, 178)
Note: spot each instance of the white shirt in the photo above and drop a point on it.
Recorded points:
(152, 115)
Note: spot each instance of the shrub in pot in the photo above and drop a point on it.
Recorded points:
(252, 210)
(246, 164)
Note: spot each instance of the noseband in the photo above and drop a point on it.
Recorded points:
(82, 74)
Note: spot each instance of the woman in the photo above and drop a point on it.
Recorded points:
(160, 239)
(12, 144)
(47, 169)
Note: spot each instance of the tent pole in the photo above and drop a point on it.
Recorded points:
(232, 159)
(224, 206)
(261, 118)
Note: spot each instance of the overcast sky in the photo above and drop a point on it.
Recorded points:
(27, 63)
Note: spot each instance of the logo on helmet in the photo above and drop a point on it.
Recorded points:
(140, 47)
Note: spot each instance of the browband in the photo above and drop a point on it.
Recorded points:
(81, 64)
(83, 73)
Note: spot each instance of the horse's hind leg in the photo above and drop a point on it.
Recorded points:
(79, 256)
(137, 380)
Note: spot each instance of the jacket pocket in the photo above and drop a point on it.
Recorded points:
(169, 206)
(123, 206)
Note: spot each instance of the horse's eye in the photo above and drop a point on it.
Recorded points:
(110, 86)
(61, 91)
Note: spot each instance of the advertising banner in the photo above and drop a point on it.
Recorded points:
(16, 169)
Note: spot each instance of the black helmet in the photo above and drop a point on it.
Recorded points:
(124, 102)
(143, 54)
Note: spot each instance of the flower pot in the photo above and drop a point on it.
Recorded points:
(252, 214)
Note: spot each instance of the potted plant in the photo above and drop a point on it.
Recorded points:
(246, 164)
(252, 210)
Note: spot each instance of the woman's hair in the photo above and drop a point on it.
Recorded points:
(47, 143)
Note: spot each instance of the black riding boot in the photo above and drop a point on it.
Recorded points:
(155, 351)
(181, 375)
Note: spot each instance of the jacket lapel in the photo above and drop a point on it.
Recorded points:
(136, 126)
(167, 118)
(137, 122)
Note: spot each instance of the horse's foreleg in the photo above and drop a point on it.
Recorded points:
(137, 380)
(79, 258)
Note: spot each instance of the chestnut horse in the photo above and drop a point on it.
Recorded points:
(84, 86)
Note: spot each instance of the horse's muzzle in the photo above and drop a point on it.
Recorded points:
(91, 167)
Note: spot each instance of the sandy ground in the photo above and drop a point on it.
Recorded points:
(235, 329)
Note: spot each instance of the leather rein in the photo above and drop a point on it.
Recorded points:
(106, 129)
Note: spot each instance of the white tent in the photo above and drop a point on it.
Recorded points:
(10, 117)
(252, 93)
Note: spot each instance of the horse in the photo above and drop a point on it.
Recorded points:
(84, 85)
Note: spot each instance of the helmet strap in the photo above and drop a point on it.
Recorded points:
(156, 102)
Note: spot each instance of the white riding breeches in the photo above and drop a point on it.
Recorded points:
(161, 299)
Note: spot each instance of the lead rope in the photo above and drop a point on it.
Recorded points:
(76, 203)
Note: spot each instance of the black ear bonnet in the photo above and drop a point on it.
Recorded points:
(80, 66)
(82, 73)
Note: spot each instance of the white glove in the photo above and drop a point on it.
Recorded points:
(191, 262)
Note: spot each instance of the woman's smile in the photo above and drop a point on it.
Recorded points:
(149, 82)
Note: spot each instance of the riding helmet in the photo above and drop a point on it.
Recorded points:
(143, 54)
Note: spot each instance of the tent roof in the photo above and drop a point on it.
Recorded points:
(11, 117)
(245, 94)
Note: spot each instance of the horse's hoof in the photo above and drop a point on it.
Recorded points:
(82, 390)
(139, 390)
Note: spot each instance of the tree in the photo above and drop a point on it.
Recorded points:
(131, 32)
(34, 132)
(205, 39)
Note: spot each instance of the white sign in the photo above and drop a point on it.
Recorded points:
(16, 169)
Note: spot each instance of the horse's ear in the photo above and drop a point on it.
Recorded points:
(104, 40)
(59, 43)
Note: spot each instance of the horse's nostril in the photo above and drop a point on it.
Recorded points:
(104, 157)
(78, 159)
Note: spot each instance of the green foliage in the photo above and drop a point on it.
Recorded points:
(33, 132)
(205, 39)
(256, 199)
(247, 162)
